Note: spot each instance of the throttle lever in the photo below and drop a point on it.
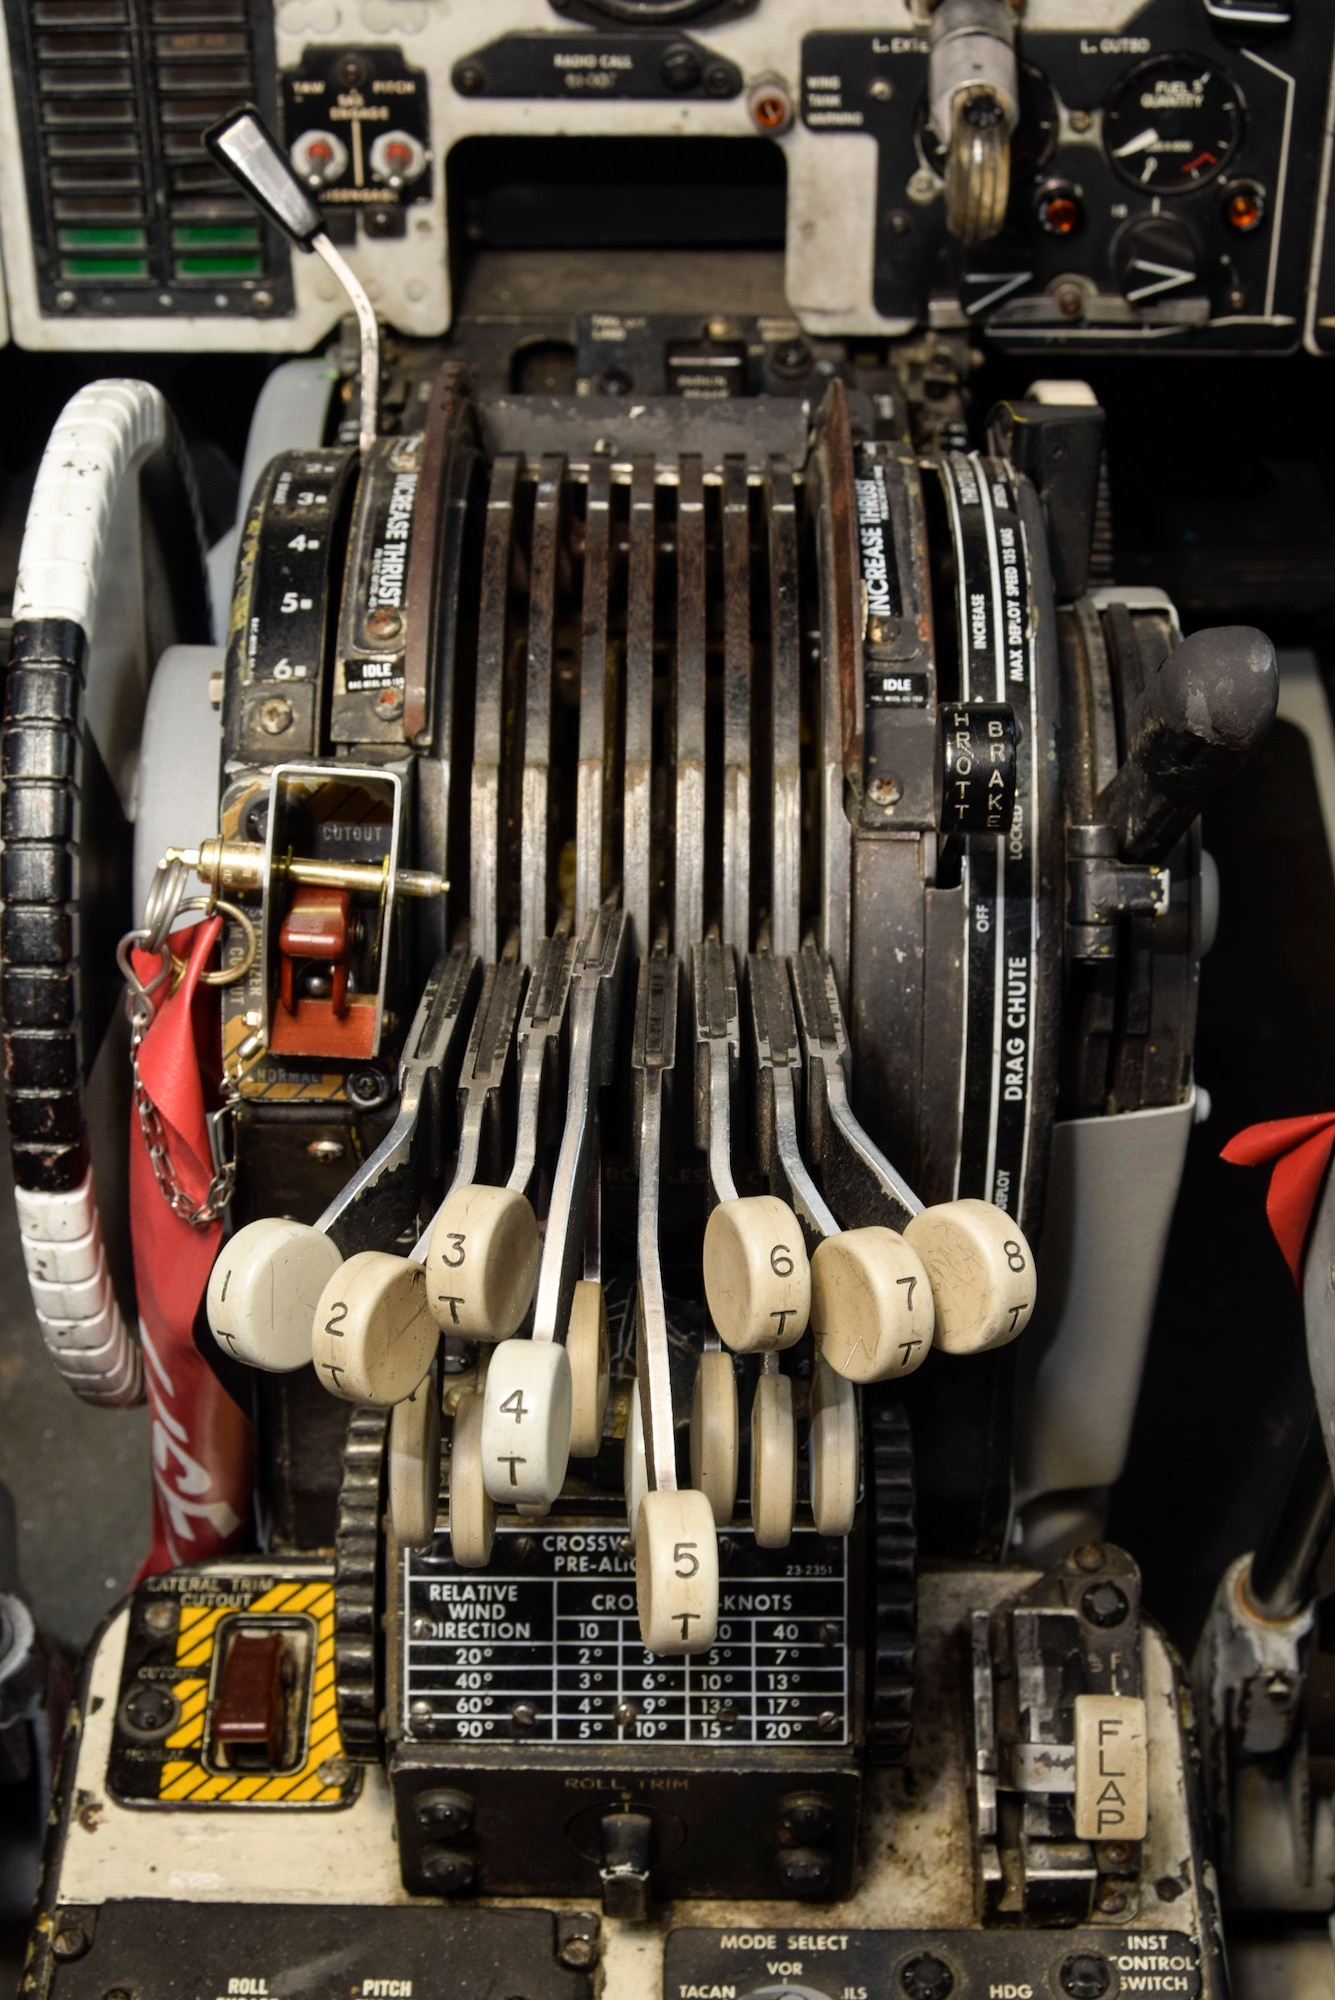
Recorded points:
(977, 1259)
(268, 1277)
(872, 1310)
(676, 1546)
(595, 995)
(757, 1278)
(528, 1399)
(778, 1057)
(480, 1248)
(539, 1040)
(653, 1059)
(861, 1181)
(243, 144)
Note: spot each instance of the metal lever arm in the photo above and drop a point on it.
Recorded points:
(381, 1200)
(485, 1064)
(863, 1186)
(539, 1042)
(243, 144)
(718, 1038)
(653, 1060)
(595, 991)
(778, 1058)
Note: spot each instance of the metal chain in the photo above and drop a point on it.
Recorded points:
(166, 902)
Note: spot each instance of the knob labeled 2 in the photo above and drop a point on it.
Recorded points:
(374, 1338)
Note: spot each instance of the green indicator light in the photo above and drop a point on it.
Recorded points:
(103, 239)
(105, 267)
(231, 236)
(218, 267)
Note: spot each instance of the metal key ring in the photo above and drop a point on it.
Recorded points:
(142, 938)
(164, 902)
(210, 906)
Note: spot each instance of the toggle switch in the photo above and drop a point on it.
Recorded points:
(320, 158)
(626, 1838)
(397, 157)
(251, 1710)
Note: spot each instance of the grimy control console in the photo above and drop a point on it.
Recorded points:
(645, 901)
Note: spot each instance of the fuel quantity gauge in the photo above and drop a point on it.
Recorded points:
(1172, 123)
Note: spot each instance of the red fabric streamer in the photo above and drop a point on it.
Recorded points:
(203, 1447)
(1301, 1149)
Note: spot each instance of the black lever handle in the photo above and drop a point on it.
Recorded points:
(1199, 719)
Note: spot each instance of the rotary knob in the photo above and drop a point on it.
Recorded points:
(1156, 259)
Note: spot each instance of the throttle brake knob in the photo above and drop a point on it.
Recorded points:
(757, 1277)
(773, 1461)
(832, 1449)
(978, 766)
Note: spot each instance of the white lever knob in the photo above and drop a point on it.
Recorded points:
(714, 1434)
(482, 1262)
(832, 1450)
(871, 1304)
(981, 1271)
(757, 1278)
(773, 1462)
(590, 1368)
(374, 1338)
(264, 1288)
(635, 1474)
(414, 1465)
(526, 1422)
(676, 1572)
(472, 1509)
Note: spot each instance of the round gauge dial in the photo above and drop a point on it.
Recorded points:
(1172, 123)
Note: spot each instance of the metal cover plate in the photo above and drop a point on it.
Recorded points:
(811, 1961)
(550, 1627)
